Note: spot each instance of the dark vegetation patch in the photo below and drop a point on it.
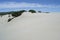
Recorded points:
(10, 19)
(12, 13)
(32, 11)
(18, 13)
(3, 13)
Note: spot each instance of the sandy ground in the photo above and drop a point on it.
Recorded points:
(37, 26)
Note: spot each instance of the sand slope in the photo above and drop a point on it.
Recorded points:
(39, 26)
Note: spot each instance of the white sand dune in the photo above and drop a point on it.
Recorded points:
(28, 26)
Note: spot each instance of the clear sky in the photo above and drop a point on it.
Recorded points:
(43, 5)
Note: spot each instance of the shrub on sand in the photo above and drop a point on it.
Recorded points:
(10, 19)
(18, 13)
(32, 11)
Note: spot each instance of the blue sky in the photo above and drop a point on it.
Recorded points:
(43, 5)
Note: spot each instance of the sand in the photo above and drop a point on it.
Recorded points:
(28, 26)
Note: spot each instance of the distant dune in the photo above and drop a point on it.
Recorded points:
(28, 26)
